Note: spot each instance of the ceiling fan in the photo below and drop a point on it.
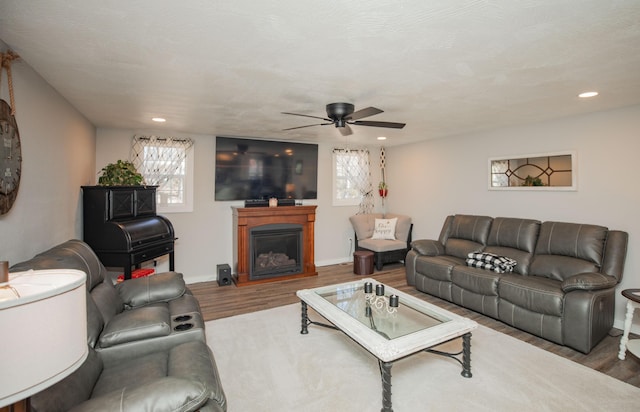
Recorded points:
(341, 115)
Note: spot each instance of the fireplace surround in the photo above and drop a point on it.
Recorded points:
(265, 243)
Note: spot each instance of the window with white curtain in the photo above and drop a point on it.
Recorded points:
(166, 162)
(352, 179)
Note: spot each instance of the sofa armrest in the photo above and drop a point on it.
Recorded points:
(161, 287)
(588, 281)
(428, 247)
(135, 325)
(163, 394)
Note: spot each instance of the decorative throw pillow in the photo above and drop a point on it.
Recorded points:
(385, 229)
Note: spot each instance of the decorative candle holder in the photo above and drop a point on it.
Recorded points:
(368, 287)
(394, 301)
(378, 301)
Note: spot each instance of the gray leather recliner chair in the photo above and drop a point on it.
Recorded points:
(147, 346)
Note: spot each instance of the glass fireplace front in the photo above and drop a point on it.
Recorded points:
(275, 250)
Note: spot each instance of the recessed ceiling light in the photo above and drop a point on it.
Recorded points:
(159, 119)
(382, 138)
(588, 94)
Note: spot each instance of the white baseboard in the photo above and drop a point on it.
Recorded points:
(200, 278)
(213, 277)
(338, 261)
(619, 324)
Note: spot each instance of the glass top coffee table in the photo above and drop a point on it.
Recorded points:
(388, 323)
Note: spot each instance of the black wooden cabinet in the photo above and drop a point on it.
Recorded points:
(122, 227)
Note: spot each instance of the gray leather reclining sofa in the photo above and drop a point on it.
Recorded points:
(562, 288)
(147, 348)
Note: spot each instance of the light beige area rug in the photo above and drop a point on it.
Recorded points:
(267, 365)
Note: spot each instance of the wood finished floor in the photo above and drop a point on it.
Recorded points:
(224, 301)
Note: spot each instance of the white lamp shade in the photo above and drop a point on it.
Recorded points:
(44, 330)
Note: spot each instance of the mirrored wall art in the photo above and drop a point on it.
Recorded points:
(541, 171)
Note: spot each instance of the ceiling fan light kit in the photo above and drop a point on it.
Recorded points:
(341, 115)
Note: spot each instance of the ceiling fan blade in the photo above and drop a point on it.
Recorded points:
(362, 113)
(306, 115)
(345, 131)
(391, 125)
(309, 125)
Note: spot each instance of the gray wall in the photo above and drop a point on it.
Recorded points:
(62, 151)
(205, 235)
(433, 179)
(58, 156)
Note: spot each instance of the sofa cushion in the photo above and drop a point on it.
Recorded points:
(385, 229)
(461, 248)
(473, 228)
(96, 272)
(363, 224)
(194, 360)
(169, 394)
(72, 390)
(438, 267)
(181, 378)
(133, 372)
(536, 294)
(560, 267)
(95, 323)
(134, 325)
(480, 281)
(579, 241)
(381, 245)
(466, 234)
(72, 254)
(107, 300)
(514, 233)
(161, 287)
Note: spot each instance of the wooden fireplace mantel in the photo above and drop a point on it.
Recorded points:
(246, 218)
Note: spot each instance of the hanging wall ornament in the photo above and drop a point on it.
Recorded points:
(383, 189)
(10, 149)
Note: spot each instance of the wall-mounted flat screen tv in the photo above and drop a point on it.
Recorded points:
(261, 169)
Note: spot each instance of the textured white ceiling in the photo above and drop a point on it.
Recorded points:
(230, 67)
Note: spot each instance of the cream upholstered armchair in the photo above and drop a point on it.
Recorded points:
(387, 236)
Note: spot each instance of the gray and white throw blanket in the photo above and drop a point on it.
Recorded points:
(490, 261)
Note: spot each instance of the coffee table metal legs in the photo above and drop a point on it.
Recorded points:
(305, 318)
(385, 373)
(466, 355)
(306, 321)
(465, 362)
(385, 367)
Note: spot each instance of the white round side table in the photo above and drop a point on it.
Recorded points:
(633, 345)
